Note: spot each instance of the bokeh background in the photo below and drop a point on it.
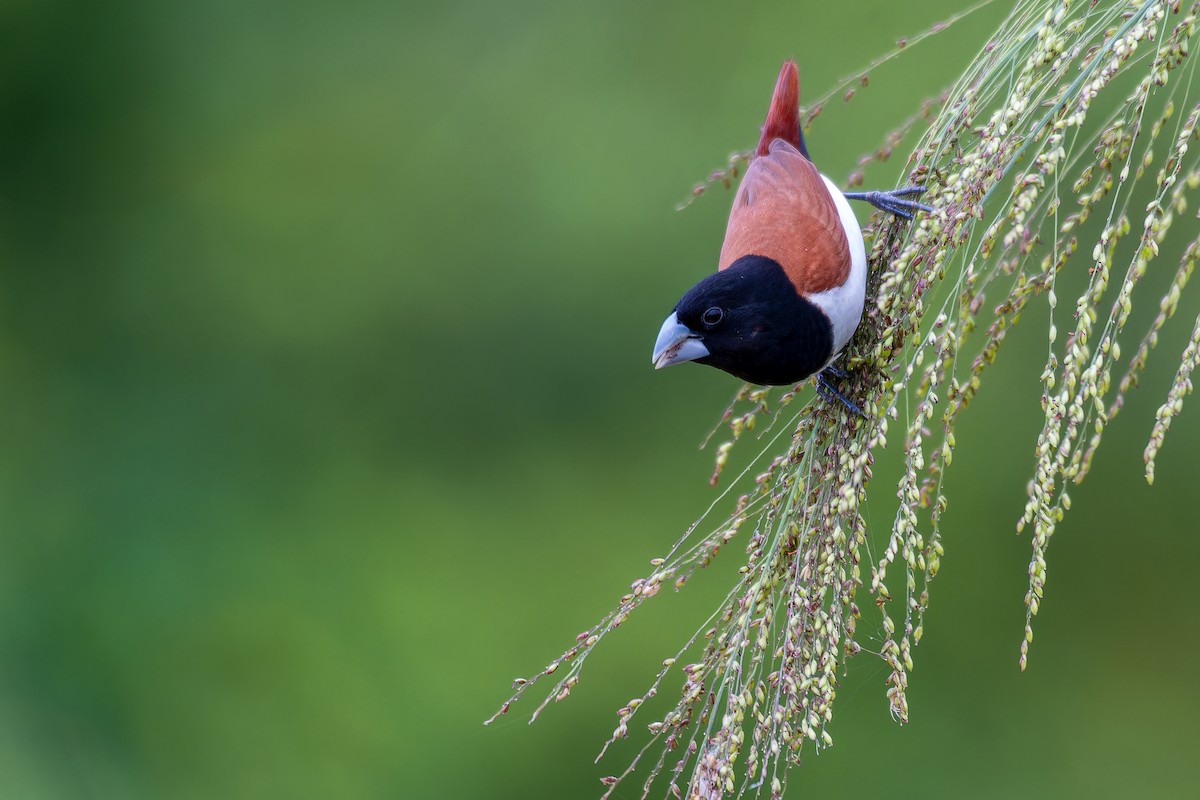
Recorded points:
(326, 410)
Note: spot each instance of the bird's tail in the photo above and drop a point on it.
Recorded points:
(783, 117)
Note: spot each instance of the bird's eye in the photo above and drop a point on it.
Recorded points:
(712, 316)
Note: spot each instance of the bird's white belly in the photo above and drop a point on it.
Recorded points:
(844, 304)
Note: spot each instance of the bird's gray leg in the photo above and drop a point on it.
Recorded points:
(893, 202)
(827, 390)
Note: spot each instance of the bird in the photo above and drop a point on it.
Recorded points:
(791, 279)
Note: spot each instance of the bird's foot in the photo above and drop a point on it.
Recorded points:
(836, 372)
(894, 202)
(829, 392)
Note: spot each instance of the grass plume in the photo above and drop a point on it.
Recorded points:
(1016, 158)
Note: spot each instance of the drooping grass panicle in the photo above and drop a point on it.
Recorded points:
(1041, 160)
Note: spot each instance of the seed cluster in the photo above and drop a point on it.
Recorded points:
(1015, 159)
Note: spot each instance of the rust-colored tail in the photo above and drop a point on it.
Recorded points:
(783, 118)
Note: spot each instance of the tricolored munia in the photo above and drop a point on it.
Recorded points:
(789, 288)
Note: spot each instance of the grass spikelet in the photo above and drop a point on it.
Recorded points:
(1068, 144)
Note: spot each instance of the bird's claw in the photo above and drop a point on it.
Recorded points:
(827, 390)
(895, 201)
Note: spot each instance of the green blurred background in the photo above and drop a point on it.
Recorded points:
(327, 410)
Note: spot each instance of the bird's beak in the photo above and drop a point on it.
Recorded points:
(676, 343)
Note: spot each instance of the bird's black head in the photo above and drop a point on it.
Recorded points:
(748, 320)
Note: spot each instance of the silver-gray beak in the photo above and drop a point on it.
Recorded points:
(676, 343)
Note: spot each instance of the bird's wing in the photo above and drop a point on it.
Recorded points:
(783, 210)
